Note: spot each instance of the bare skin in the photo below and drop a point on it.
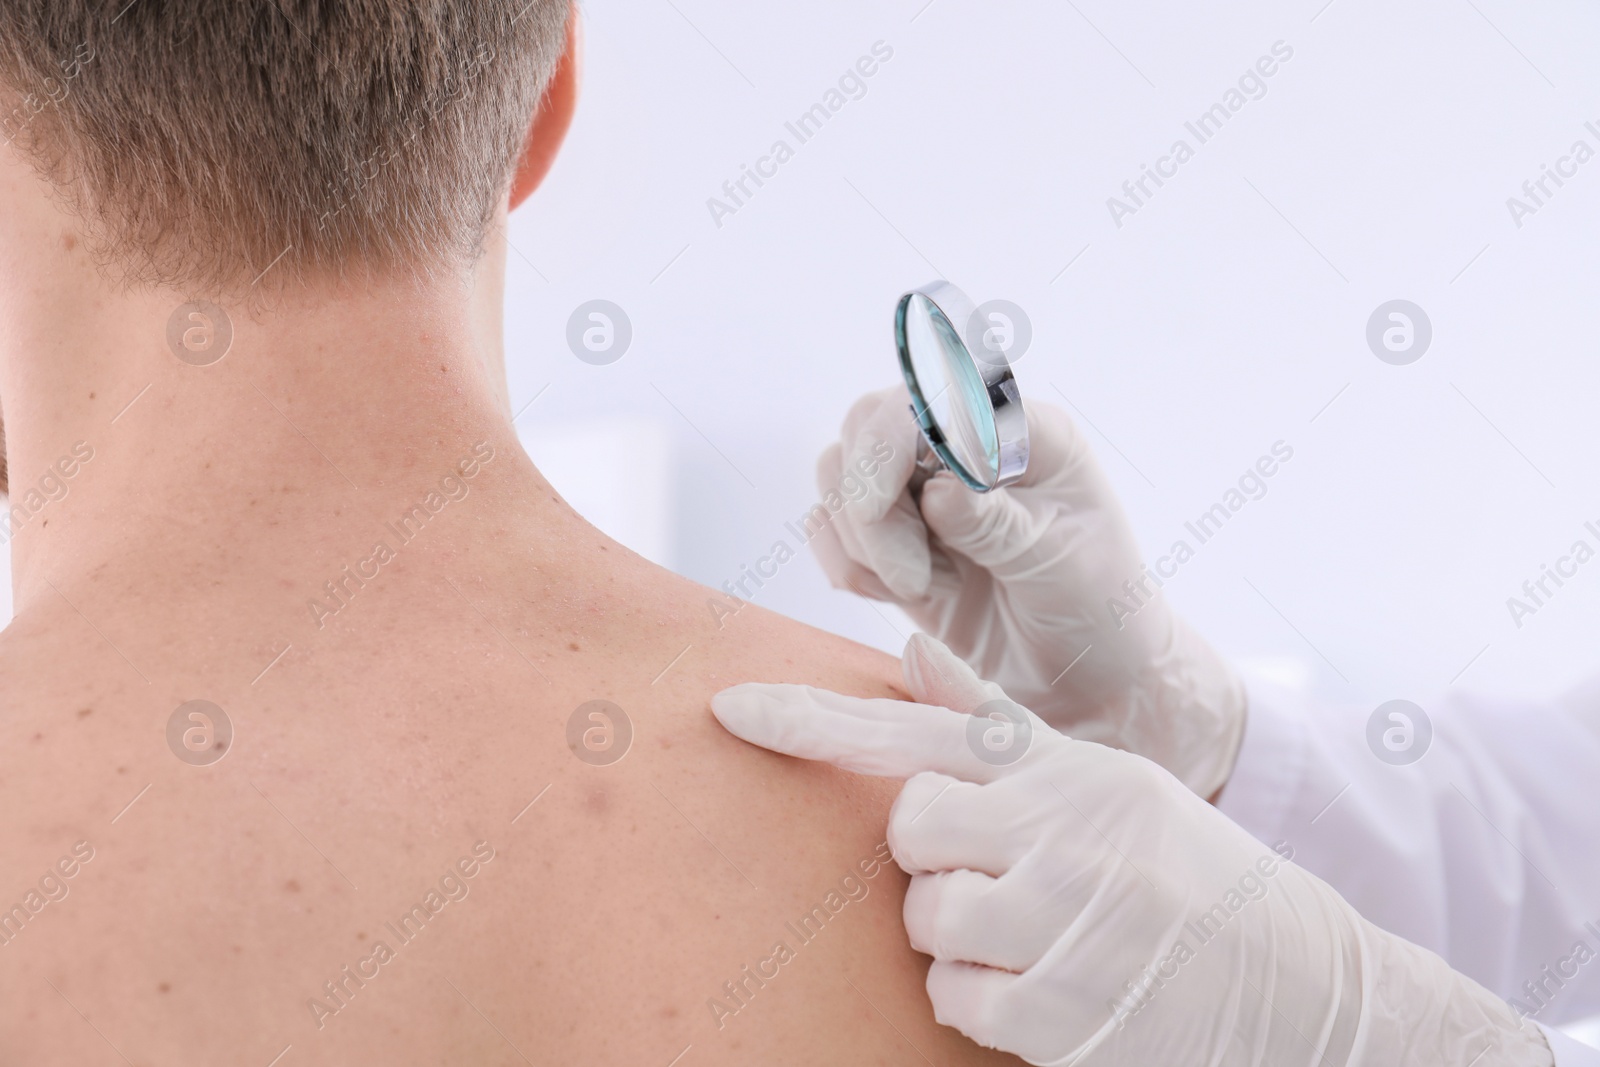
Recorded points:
(402, 738)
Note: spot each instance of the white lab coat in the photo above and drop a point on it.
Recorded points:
(1486, 850)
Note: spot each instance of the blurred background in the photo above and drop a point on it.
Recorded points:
(1189, 330)
(1226, 313)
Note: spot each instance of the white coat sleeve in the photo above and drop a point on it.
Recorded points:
(1486, 850)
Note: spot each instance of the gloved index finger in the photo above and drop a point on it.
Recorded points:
(880, 446)
(888, 738)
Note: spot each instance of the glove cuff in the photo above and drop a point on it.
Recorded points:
(1417, 1010)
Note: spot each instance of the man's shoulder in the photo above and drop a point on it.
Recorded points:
(745, 642)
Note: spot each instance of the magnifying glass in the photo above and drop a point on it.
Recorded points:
(963, 395)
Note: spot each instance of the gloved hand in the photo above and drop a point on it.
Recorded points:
(1081, 904)
(1019, 582)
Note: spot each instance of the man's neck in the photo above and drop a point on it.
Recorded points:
(329, 411)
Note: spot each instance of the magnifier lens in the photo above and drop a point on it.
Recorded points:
(951, 389)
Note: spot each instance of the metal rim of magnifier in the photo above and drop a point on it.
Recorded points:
(1005, 399)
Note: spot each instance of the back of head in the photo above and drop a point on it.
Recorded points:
(201, 142)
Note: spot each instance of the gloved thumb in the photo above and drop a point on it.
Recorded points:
(935, 675)
(994, 530)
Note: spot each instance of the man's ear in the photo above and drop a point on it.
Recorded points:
(554, 115)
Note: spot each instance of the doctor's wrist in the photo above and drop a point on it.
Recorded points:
(1419, 1003)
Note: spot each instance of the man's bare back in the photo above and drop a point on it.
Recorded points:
(399, 858)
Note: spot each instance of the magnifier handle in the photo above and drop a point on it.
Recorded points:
(928, 464)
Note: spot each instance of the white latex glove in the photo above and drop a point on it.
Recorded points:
(1081, 905)
(1017, 581)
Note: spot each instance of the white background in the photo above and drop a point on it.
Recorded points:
(1222, 317)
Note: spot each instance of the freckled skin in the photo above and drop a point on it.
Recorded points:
(412, 751)
(377, 753)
